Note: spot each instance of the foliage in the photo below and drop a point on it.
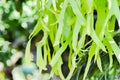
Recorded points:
(66, 23)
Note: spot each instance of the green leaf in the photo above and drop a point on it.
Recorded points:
(58, 54)
(48, 52)
(36, 29)
(115, 9)
(94, 36)
(28, 56)
(91, 53)
(75, 35)
(113, 45)
(77, 12)
(60, 23)
(54, 4)
(44, 26)
(57, 68)
(39, 60)
(82, 38)
(110, 52)
(74, 64)
(99, 63)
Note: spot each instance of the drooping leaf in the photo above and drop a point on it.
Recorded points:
(99, 64)
(75, 35)
(91, 54)
(58, 54)
(28, 56)
(113, 45)
(60, 23)
(36, 29)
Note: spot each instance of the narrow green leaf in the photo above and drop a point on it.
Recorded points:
(82, 39)
(28, 56)
(96, 53)
(99, 64)
(115, 9)
(44, 39)
(111, 25)
(57, 68)
(77, 12)
(54, 4)
(44, 26)
(113, 45)
(39, 60)
(97, 58)
(60, 23)
(91, 54)
(70, 57)
(48, 52)
(58, 54)
(52, 28)
(45, 54)
(89, 5)
(42, 4)
(60, 62)
(110, 52)
(36, 29)
(75, 35)
(95, 37)
(74, 64)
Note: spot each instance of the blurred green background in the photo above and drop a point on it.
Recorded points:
(17, 19)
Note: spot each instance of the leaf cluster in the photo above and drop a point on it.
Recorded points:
(66, 23)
